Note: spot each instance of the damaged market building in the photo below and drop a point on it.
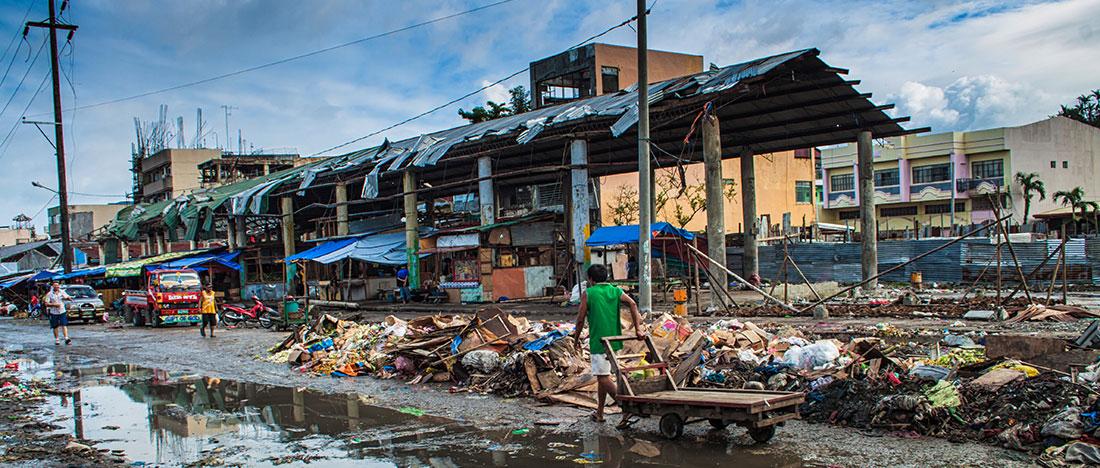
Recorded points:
(503, 208)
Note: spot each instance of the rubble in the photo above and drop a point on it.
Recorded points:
(488, 352)
(943, 386)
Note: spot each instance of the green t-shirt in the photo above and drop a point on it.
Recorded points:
(603, 316)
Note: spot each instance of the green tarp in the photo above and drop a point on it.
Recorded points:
(133, 268)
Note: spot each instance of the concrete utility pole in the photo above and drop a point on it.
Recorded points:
(342, 208)
(716, 206)
(59, 132)
(750, 263)
(579, 208)
(412, 227)
(645, 187)
(867, 222)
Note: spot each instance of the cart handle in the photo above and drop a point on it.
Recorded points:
(624, 338)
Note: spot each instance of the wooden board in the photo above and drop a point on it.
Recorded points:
(754, 401)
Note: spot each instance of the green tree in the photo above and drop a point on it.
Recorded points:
(1075, 199)
(1086, 109)
(518, 103)
(624, 206)
(1031, 185)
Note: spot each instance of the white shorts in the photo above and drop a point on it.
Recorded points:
(600, 365)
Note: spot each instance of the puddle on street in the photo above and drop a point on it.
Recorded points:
(156, 417)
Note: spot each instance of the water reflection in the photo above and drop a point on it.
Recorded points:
(158, 417)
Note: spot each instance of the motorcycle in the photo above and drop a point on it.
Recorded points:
(232, 314)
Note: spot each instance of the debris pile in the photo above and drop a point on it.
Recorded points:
(948, 389)
(489, 352)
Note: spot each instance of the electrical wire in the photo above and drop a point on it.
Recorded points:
(467, 95)
(20, 85)
(4, 144)
(292, 58)
(13, 38)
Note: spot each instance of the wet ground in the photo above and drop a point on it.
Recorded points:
(168, 397)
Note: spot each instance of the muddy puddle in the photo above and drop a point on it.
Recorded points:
(154, 417)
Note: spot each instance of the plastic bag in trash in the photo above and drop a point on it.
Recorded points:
(815, 355)
(483, 360)
(960, 341)
(575, 295)
(931, 373)
(1066, 425)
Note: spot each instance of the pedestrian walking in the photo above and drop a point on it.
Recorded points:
(55, 309)
(209, 311)
(599, 308)
(403, 284)
(35, 307)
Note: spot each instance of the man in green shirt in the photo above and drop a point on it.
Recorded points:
(600, 310)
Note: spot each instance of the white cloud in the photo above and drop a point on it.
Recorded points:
(497, 93)
(927, 102)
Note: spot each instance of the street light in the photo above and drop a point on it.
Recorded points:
(66, 249)
(36, 184)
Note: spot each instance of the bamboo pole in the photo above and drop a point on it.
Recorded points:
(1011, 250)
(746, 283)
(1057, 267)
(1032, 274)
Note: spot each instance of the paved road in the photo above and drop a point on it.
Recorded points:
(237, 354)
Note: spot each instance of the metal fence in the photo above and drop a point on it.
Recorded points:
(960, 263)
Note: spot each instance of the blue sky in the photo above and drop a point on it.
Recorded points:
(950, 65)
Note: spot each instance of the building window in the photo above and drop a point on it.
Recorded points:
(1065, 164)
(803, 153)
(803, 191)
(820, 194)
(944, 208)
(842, 183)
(854, 214)
(932, 173)
(1054, 164)
(887, 178)
(984, 203)
(994, 169)
(898, 211)
(610, 77)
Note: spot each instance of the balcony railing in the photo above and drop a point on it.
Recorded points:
(980, 186)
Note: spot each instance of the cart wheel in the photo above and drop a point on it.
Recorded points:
(762, 434)
(672, 426)
(718, 423)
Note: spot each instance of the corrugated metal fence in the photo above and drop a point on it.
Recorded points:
(960, 263)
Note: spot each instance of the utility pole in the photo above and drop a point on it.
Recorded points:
(645, 200)
(59, 133)
(228, 110)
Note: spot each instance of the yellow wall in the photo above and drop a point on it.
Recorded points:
(776, 174)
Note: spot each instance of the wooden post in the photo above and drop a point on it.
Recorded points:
(867, 220)
(1065, 270)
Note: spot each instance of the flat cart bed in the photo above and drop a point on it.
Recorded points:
(759, 411)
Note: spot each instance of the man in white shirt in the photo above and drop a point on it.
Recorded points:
(55, 310)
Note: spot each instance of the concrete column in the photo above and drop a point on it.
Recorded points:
(286, 205)
(579, 207)
(192, 245)
(240, 230)
(485, 194)
(102, 254)
(162, 242)
(230, 234)
(867, 224)
(124, 251)
(341, 208)
(750, 264)
(412, 225)
(716, 206)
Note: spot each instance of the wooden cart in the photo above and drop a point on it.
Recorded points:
(759, 411)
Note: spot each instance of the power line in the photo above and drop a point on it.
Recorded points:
(467, 95)
(21, 80)
(12, 41)
(4, 144)
(291, 59)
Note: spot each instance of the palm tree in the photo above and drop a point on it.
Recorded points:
(1075, 199)
(1031, 184)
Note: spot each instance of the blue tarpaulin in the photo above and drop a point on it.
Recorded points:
(98, 271)
(226, 259)
(617, 235)
(383, 249)
(14, 281)
(321, 249)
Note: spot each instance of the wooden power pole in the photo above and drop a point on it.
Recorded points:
(59, 134)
